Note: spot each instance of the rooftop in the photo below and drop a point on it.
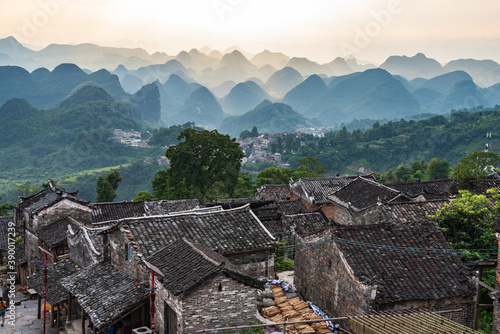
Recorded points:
(55, 233)
(56, 293)
(307, 223)
(439, 188)
(46, 198)
(363, 193)
(102, 212)
(187, 266)
(411, 211)
(409, 261)
(166, 207)
(317, 190)
(291, 207)
(229, 231)
(273, 192)
(105, 293)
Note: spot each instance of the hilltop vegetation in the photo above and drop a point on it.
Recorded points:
(397, 143)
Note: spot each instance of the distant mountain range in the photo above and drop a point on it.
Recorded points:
(207, 86)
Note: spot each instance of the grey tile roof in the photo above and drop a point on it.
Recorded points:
(104, 292)
(411, 211)
(187, 266)
(273, 192)
(229, 231)
(55, 233)
(362, 193)
(166, 207)
(102, 212)
(291, 207)
(409, 261)
(20, 254)
(56, 293)
(317, 190)
(307, 223)
(4, 230)
(436, 189)
(46, 198)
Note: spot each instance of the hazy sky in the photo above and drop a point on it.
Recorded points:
(318, 29)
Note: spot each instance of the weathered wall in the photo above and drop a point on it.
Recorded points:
(162, 297)
(258, 264)
(58, 211)
(80, 248)
(348, 217)
(323, 276)
(134, 267)
(207, 307)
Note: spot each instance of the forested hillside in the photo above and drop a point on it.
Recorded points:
(394, 143)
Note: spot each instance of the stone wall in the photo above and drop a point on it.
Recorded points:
(344, 216)
(222, 302)
(134, 267)
(259, 264)
(58, 211)
(323, 276)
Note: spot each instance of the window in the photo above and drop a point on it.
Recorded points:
(220, 287)
(128, 252)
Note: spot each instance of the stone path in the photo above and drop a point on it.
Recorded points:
(26, 321)
(286, 276)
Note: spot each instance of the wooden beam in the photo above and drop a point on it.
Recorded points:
(484, 285)
(58, 318)
(486, 306)
(39, 311)
(52, 312)
(83, 321)
(69, 306)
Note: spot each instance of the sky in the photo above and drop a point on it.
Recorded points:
(321, 30)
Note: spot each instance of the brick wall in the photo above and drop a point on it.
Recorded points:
(322, 277)
(133, 267)
(342, 215)
(58, 211)
(207, 307)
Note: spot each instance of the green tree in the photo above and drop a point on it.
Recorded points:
(402, 173)
(143, 195)
(26, 190)
(467, 223)
(274, 175)
(254, 133)
(106, 187)
(310, 167)
(5, 208)
(438, 169)
(201, 161)
(474, 167)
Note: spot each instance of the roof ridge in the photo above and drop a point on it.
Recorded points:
(205, 256)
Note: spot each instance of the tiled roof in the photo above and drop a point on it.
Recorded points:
(20, 254)
(317, 190)
(271, 217)
(46, 198)
(187, 266)
(411, 211)
(55, 233)
(273, 192)
(363, 193)
(56, 293)
(166, 207)
(4, 226)
(486, 184)
(409, 261)
(104, 292)
(292, 207)
(229, 231)
(435, 187)
(307, 223)
(234, 203)
(102, 212)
